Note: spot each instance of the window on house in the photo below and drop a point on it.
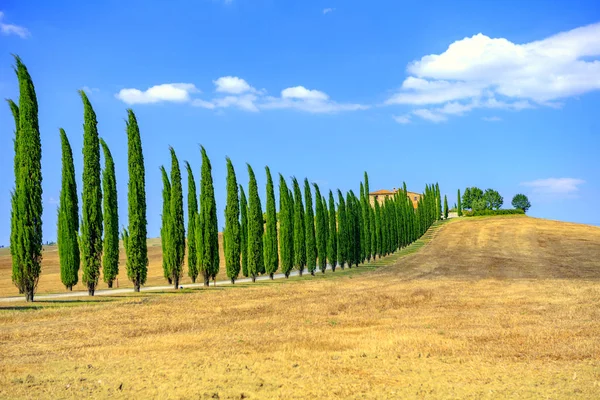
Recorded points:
(415, 198)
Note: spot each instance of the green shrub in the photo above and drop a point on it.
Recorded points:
(482, 213)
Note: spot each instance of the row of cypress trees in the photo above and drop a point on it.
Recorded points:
(92, 241)
(307, 233)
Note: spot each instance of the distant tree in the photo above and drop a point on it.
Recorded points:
(68, 218)
(309, 228)
(232, 232)
(255, 228)
(244, 231)
(165, 222)
(91, 224)
(192, 254)
(479, 205)
(459, 207)
(332, 237)
(493, 199)
(438, 202)
(466, 199)
(342, 254)
(176, 223)
(521, 201)
(299, 229)
(321, 234)
(270, 243)
(137, 248)
(207, 237)
(110, 260)
(286, 228)
(445, 207)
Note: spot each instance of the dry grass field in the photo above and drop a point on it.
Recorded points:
(489, 308)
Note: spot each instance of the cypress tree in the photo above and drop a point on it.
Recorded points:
(445, 207)
(231, 235)
(110, 260)
(244, 231)
(137, 247)
(176, 223)
(14, 224)
(208, 234)
(353, 214)
(299, 229)
(342, 231)
(255, 228)
(460, 213)
(271, 248)
(68, 218)
(332, 236)
(367, 219)
(378, 230)
(309, 226)
(286, 230)
(321, 235)
(166, 217)
(192, 254)
(373, 228)
(91, 224)
(326, 216)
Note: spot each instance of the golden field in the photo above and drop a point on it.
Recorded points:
(486, 308)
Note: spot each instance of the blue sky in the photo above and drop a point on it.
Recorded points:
(490, 94)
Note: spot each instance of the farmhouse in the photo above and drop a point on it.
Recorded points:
(381, 195)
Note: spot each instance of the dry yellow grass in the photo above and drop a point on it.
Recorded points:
(490, 308)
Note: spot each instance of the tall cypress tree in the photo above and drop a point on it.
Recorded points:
(192, 255)
(445, 207)
(244, 231)
(165, 223)
(309, 227)
(332, 237)
(299, 229)
(176, 223)
(110, 260)
(137, 247)
(208, 234)
(367, 219)
(378, 230)
(286, 228)
(326, 216)
(231, 235)
(459, 206)
(17, 268)
(255, 228)
(342, 231)
(91, 224)
(270, 244)
(321, 230)
(68, 218)
(438, 203)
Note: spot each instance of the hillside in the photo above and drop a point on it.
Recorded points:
(489, 308)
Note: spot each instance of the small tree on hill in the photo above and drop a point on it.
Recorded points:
(166, 221)
(321, 234)
(493, 199)
(521, 201)
(207, 237)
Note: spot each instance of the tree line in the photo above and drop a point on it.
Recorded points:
(306, 230)
(475, 199)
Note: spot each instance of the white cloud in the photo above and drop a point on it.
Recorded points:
(492, 119)
(172, 92)
(328, 10)
(484, 72)
(402, 119)
(314, 101)
(300, 92)
(232, 84)
(555, 186)
(11, 29)
(429, 115)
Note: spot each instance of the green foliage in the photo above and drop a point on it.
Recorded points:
(378, 230)
(91, 224)
(17, 267)
(207, 236)
(286, 227)
(488, 212)
(521, 201)
(299, 229)
(366, 205)
(255, 228)
(165, 222)
(493, 199)
(137, 250)
(192, 253)
(445, 207)
(342, 254)
(110, 259)
(332, 236)
(176, 228)
(68, 218)
(244, 231)
(270, 244)
(309, 226)
(321, 234)
(438, 202)
(459, 207)
(471, 195)
(232, 232)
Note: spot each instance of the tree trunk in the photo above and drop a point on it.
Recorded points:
(136, 286)
(193, 279)
(91, 289)
(271, 275)
(233, 281)
(176, 281)
(312, 273)
(109, 285)
(215, 281)
(206, 279)
(287, 274)
(300, 272)
(170, 281)
(28, 294)
(253, 278)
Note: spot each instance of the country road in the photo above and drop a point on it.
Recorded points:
(110, 292)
